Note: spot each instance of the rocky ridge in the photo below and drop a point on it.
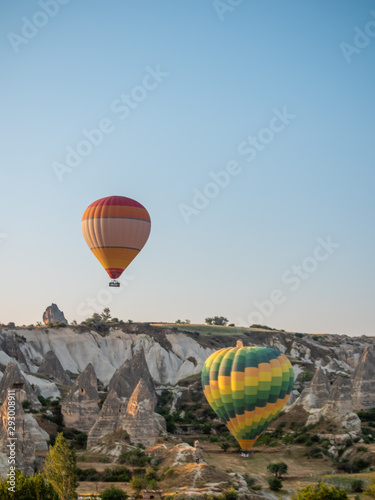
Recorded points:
(133, 363)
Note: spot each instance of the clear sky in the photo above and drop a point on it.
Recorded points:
(266, 90)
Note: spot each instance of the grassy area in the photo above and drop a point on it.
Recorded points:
(211, 329)
(345, 480)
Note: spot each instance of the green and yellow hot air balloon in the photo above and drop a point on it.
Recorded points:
(247, 387)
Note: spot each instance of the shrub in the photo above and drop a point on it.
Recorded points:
(206, 428)
(362, 448)
(116, 475)
(249, 480)
(275, 483)
(135, 457)
(229, 494)
(113, 493)
(359, 464)
(370, 490)
(314, 452)
(225, 446)
(357, 486)
(88, 474)
(306, 376)
(138, 483)
(320, 492)
(302, 438)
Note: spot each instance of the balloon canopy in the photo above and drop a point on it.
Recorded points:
(116, 229)
(247, 387)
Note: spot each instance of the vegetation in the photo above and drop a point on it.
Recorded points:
(113, 493)
(264, 327)
(60, 469)
(278, 469)
(138, 483)
(370, 491)
(321, 492)
(275, 483)
(135, 457)
(27, 488)
(216, 320)
(357, 486)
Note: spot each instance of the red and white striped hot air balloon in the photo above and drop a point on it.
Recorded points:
(116, 229)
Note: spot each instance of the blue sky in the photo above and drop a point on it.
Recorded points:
(225, 72)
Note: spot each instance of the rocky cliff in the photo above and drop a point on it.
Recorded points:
(131, 363)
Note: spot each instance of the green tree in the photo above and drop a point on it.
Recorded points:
(138, 483)
(225, 446)
(370, 490)
(106, 314)
(113, 493)
(151, 474)
(278, 469)
(209, 321)
(219, 320)
(61, 468)
(275, 483)
(321, 492)
(27, 488)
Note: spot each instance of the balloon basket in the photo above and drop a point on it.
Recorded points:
(246, 453)
(114, 283)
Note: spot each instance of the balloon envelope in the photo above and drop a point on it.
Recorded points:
(247, 387)
(116, 229)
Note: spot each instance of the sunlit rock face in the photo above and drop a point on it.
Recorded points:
(53, 315)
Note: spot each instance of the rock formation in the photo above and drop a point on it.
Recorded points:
(126, 378)
(173, 356)
(318, 392)
(363, 394)
(51, 366)
(24, 448)
(80, 407)
(340, 400)
(198, 454)
(140, 421)
(53, 315)
(130, 405)
(14, 379)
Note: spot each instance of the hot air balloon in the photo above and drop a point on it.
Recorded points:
(116, 229)
(247, 387)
